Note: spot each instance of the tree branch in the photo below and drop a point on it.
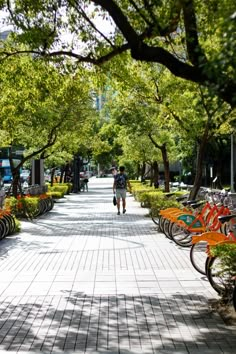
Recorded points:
(174, 18)
(148, 7)
(178, 120)
(120, 20)
(195, 53)
(52, 136)
(14, 18)
(157, 96)
(139, 11)
(154, 142)
(82, 59)
(30, 156)
(81, 11)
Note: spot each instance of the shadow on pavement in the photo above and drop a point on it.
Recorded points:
(79, 321)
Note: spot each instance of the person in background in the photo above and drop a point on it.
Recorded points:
(86, 179)
(114, 171)
(121, 180)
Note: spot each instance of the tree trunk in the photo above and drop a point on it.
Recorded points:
(138, 173)
(219, 165)
(155, 174)
(15, 182)
(143, 168)
(218, 162)
(62, 175)
(151, 175)
(198, 175)
(52, 176)
(165, 162)
(67, 170)
(76, 174)
(15, 171)
(166, 167)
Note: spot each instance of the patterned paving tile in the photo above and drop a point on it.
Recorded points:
(84, 280)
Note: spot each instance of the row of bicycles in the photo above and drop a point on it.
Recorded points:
(45, 205)
(202, 225)
(24, 206)
(7, 224)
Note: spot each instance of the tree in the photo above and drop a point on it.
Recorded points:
(134, 104)
(149, 101)
(198, 116)
(105, 146)
(39, 107)
(139, 151)
(195, 40)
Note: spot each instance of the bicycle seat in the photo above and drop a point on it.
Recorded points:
(226, 218)
(198, 204)
(192, 201)
(169, 195)
(182, 197)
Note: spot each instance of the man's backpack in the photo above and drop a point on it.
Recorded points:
(120, 181)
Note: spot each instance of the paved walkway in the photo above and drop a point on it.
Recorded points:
(84, 280)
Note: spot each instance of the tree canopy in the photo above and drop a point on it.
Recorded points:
(44, 110)
(194, 39)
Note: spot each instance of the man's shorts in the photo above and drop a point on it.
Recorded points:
(121, 193)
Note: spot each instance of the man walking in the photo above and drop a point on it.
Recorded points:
(121, 180)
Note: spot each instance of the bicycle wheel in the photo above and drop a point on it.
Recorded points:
(207, 264)
(3, 230)
(44, 206)
(161, 223)
(7, 225)
(156, 219)
(234, 296)
(166, 228)
(37, 211)
(50, 202)
(198, 256)
(220, 280)
(11, 223)
(224, 228)
(180, 235)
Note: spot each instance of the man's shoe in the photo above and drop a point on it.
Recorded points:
(124, 211)
(118, 213)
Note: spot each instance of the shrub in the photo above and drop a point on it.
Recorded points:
(227, 253)
(18, 225)
(69, 187)
(162, 203)
(138, 189)
(154, 199)
(27, 206)
(147, 198)
(55, 194)
(23, 206)
(10, 203)
(61, 188)
(141, 194)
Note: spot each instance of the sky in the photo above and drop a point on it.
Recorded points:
(103, 25)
